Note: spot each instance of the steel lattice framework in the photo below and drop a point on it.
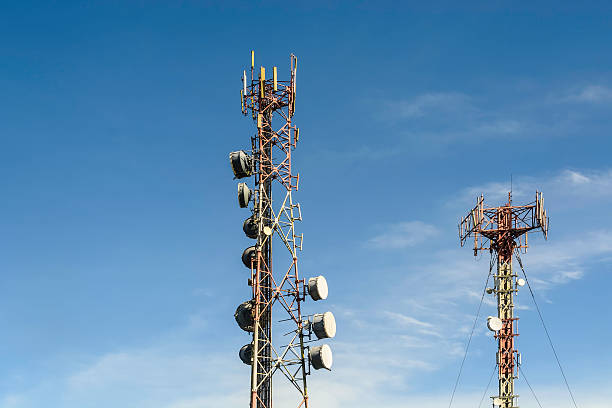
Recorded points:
(503, 230)
(271, 103)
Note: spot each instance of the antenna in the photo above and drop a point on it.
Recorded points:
(499, 229)
(281, 291)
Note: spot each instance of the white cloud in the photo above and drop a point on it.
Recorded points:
(567, 187)
(339, 396)
(430, 103)
(562, 261)
(592, 94)
(406, 320)
(591, 183)
(178, 369)
(158, 376)
(440, 119)
(403, 235)
(576, 178)
(500, 127)
(11, 401)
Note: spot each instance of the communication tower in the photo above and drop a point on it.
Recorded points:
(503, 230)
(283, 345)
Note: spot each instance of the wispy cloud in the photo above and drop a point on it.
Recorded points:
(431, 103)
(439, 119)
(500, 127)
(174, 370)
(563, 261)
(403, 234)
(593, 396)
(358, 153)
(436, 119)
(590, 94)
(594, 183)
(566, 186)
(402, 319)
(12, 401)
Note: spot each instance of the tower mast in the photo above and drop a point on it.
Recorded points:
(503, 230)
(271, 104)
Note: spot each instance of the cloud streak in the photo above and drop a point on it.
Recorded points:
(590, 94)
(431, 103)
(403, 235)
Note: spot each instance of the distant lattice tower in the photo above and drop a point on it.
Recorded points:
(504, 230)
(281, 346)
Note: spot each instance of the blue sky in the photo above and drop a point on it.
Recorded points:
(121, 237)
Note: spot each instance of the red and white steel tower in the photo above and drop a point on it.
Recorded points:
(281, 346)
(503, 230)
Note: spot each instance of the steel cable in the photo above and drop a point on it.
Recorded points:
(467, 347)
(488, 385)
(529, 385)
(546, 329)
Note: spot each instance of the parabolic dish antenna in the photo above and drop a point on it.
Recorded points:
(321, 357)
(324, 325)
(494, 323)
(317, 288)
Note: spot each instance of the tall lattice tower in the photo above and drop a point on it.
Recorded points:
(283, 345)
(504, 230)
